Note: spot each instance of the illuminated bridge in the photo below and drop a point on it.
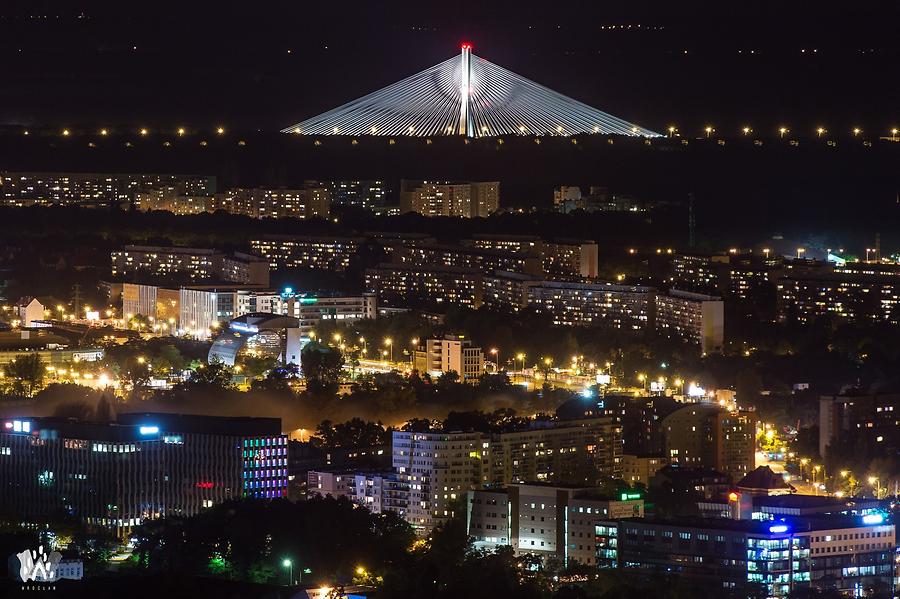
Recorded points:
(466, 95)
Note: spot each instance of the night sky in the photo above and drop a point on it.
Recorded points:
(268, 64)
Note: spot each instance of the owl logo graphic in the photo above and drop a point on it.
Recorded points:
(37, 565)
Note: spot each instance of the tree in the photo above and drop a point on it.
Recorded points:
(321, 366)
(215, 375)
(27, 372)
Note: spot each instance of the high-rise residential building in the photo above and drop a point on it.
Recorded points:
(772, 558)
(692, 317)
(871, 420)
(545, 519)
(439, 469)
(184, 263)
(453, 353)
(365, 194)
(565, 258)
(848, 296)
(710, 436)
(404, 285)
(638, 469)
(377, 491)
(442, 467)
(577, 452)
(98, 190)
(443, 198)
(484, 260)
(306, 251)
(140, 467)
(169, 199)
(624, 307)
(309, 201)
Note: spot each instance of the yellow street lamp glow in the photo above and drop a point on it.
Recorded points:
(220, 130)
(180, 131)
(747, 130)
(672, 129)
(845, 473)
(642, 377)
(65, 132)
(360, 571)
(856, 131)
(820, 131)
(388, 341)
(873, 480)
(104, 132)
(709, 130)
(520, 356)
(144, 132)
(337, 337)
(782, 131)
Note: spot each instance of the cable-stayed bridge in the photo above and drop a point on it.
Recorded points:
(470, 96)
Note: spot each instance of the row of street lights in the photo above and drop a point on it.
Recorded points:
(782, 131)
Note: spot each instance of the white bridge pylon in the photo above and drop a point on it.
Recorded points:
(466, 95)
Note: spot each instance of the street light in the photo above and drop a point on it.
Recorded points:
(747, 130)
(800, 252)
(856, 131)
(820, 132)
(390, 343)
(496, 353)
(782, 131)
(709, 130)
(290, 565)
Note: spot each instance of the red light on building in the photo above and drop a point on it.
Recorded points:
(205, 485)
(733, 496)
(466, 46)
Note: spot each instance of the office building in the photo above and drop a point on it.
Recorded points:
(692, 317)
(404, 285)
(141, 467)
(452, 353)
(442, 198)
(315, 309)
(868, 420)
(304, 251)
(184, 263)
(846, 554)
(94, 190)
(709, 436)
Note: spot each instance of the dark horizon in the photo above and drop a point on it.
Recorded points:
(97, 64)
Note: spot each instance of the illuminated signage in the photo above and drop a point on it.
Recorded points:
(149, 430)
(630, 496)
(778, 528)
(241, 327)
(873, 519)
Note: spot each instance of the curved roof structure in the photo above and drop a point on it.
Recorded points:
(470, 96)
(239, 331)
